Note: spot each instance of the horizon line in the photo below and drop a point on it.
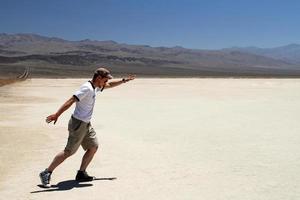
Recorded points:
(147, 45)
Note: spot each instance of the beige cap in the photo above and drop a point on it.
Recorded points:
(103, 72)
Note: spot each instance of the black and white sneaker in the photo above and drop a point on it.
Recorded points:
(45, 177)
(82, 176)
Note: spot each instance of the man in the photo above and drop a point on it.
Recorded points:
(80, 130)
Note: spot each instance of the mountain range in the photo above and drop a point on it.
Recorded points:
(289, 53)
(56, 57)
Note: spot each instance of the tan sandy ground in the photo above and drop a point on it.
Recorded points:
(209, 139)
(7, 81)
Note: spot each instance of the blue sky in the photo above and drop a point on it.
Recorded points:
(199, 24)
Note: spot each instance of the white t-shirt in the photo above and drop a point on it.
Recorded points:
(86, 96)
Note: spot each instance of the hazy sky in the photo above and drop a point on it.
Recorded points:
(201, 24)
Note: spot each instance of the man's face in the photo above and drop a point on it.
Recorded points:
(101, 81)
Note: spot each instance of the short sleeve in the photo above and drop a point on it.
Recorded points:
(81, 93)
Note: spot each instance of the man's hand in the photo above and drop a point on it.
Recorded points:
(62, 109)
(129, 78)
(118, 82)
(51, 118)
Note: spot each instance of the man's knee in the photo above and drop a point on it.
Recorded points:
(68, 153)
(93, 149)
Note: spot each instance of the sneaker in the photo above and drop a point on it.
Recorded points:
(82, 176)
(45, 177)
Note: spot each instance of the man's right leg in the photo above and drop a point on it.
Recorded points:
(58, 159)
(45, 175)
(76, 134)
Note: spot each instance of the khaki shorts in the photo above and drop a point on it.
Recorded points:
(80, 133)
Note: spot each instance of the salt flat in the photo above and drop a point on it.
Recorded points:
(160, 138)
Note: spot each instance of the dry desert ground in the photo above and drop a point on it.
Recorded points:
(210, 139)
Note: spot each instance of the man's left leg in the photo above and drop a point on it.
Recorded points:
(82, 175)
(90, 143)
(87, 158)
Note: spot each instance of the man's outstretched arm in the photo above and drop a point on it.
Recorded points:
(115, 83)
(62, 109)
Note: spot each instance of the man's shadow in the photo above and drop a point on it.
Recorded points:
(69, 185)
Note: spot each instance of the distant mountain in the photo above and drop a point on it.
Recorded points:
(289, 53)
(55, 57)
